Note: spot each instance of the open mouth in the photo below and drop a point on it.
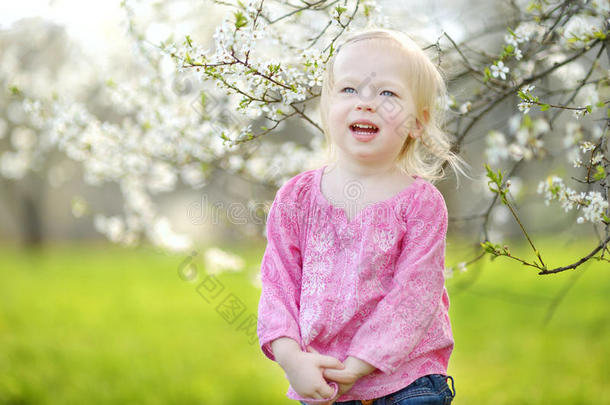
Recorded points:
(364, 129)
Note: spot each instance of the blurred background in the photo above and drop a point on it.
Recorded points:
(85, 319)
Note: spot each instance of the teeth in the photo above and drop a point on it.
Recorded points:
(364, 126)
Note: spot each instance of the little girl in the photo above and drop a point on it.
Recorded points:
(353, 305)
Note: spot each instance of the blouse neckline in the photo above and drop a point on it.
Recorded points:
(322, 198)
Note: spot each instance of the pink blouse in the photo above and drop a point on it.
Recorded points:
(372, 287)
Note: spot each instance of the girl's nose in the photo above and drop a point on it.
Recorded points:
(365, 106)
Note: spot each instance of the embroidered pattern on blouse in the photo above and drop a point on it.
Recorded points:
(371, 287)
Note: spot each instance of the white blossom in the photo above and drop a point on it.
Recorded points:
(590, 203)
(595, 208)
(162, 177)
(541, 126)
(462, 267)
(586, 146)
(596, 132)
(499, 70)
(528, 88)
(574, 157)
(218, 260)
(466, 107)
(163, 133)
(578, 114)
(573, 134)
(113, 227)
(23, 138)
(518, 54)
(192, 175)
(570, 73)
(14, 165)
(496, 147)
(525, 106)
(579, 27)
(514, 123)
(516, 151)
(162, 235)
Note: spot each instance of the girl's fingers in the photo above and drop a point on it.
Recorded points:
(330, 362)
(327, 361)
(337, 376)
(329, 391)
(312, 350)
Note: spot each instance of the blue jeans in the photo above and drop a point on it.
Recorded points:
(431, 389)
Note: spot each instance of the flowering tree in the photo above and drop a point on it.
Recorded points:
(547, 40)
(221, 107)
(35, 56)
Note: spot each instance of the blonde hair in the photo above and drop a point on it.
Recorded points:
(426, 154)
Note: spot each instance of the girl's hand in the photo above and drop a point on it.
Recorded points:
(304, 372)
(345, 378)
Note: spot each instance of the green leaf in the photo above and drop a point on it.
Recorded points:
(599, 35)
(544, 107)
(600, 173)
(240, 20)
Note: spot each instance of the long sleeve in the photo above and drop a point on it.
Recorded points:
(278, 309)
(401, 318)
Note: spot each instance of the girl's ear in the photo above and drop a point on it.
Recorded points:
(419, 128)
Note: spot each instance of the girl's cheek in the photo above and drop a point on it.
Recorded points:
(401, 127)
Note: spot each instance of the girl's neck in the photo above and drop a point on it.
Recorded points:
(350, 170)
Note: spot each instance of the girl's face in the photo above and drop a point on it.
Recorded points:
(371, 110)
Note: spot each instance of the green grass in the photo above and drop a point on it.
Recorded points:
(104, 325)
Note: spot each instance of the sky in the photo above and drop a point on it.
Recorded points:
(94, 23)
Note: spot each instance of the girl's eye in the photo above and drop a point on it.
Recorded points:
(388, 91)
(348, 90)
